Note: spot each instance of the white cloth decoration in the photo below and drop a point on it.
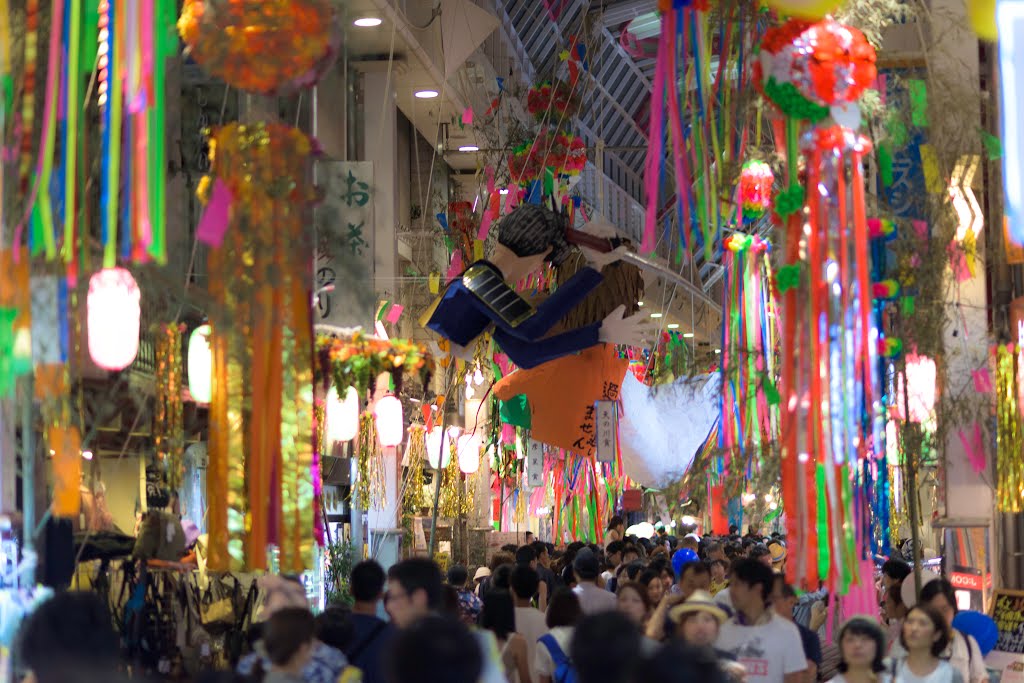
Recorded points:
(662, 427)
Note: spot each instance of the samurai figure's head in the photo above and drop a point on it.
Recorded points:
(535, 231)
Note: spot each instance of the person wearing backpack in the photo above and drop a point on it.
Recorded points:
(551, 662)
(371, 636)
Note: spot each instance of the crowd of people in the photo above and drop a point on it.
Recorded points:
(713, 609)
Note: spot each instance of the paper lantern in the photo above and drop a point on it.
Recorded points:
(469, 453)
(390, 425)
(438, 447)
(805, 9)
(113, 318)
(342, 415)
(921, 380)
(200, 365)
(756, 180)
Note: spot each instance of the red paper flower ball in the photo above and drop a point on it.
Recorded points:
(832, 63)
(756, 180)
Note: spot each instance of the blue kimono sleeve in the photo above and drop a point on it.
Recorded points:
(531, 353)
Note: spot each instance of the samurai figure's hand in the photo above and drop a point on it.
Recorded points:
(635, 330)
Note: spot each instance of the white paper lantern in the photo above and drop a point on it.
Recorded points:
(438, 448)
(469, 453)
(200, 365)
(342, 416)
(390, 426)
(114, 313)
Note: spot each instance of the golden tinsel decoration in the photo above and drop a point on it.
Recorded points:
(168, 422)
(319, 425)
(456, 495)
(519, 516)
(415, 498)
(369, 492)
(1010, 487)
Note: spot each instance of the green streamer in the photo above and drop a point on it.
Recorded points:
(71, 132)
(849, 541)
(918, 92)
(824, 551)
(165, 45)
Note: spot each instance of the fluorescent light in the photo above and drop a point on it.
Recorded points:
(469, 148)
(87, 455)
(640, 303)
(688, 335)
(718, 350)
(503, 190)
(673, 326)
(426, 94)
(655, 315)
(367, 22)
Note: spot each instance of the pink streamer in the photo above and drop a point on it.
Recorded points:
(982, 380)
(655, 141)
(485, 226)
(394, 313)
(214, 223)
(467, 116)
(974, 446)
(455, 269)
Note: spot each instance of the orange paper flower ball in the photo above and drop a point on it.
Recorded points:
(271, 47)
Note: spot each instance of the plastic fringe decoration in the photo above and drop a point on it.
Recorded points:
(369, 493)
(415, 497)
(168, 422)
(1009, 445)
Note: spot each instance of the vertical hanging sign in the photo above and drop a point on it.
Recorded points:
(535, 465)
(607, 418)
(344, 247)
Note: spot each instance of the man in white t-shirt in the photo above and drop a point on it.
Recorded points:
(529, 620)
(766, 644)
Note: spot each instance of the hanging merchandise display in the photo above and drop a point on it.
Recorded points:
(261, 408)
(114, 312)
(832, 418)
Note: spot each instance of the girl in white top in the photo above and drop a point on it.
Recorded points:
(925, 636)
(861, 649)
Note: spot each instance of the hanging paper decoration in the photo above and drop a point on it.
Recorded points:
(342, 416)
(982, 15)
(390, 423)
(563, 153)
(168, 421)
(15, 320)
(696, 107)
(756, 180)
(555, 103)
(65, 445)
(369, 492)
(832, 420)
(1009, 434)
(260, 414)
(273, 47)
(200, 365)
(114, 314)
(805, 9)
(357, 361)
(750, 399)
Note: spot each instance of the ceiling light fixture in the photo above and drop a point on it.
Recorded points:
(688, 335)
(673, 326)
(87, 455)
(469, 148)
(426, 94)
(367, 22)
(656, 315)
(640, 303)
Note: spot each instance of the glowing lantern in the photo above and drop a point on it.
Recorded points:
(200, 365)
(113, 318)
(390, 425)
(342, 415)
(469, 453)
(438, 448)
(756, 180)
(921, 380)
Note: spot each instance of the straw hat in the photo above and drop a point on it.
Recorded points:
(778, 552)
(699, 601)
(481, 573)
